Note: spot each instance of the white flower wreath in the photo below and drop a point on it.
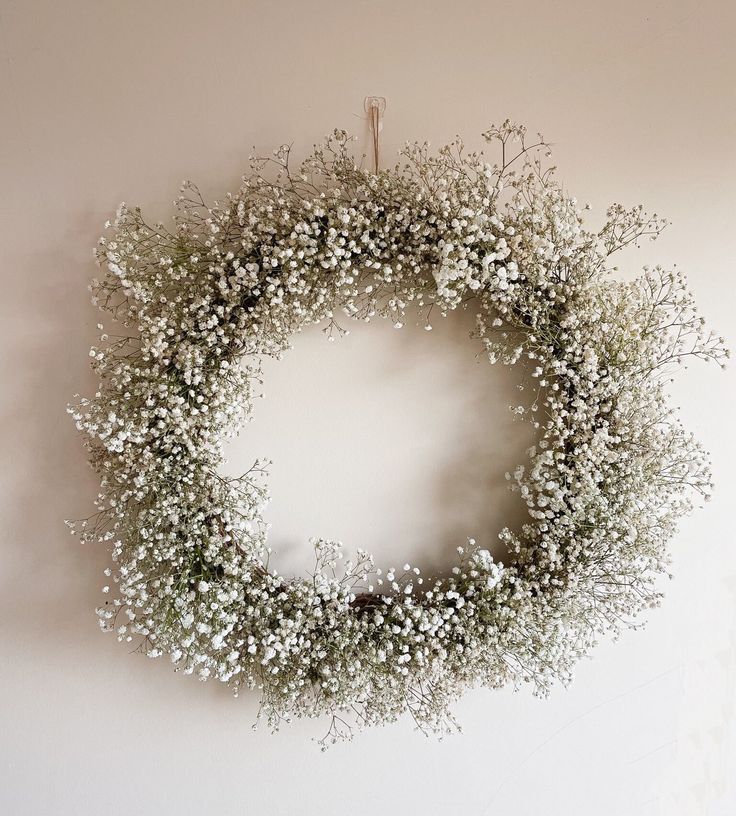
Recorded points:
(201, 305)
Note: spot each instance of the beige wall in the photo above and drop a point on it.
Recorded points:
(106, 101)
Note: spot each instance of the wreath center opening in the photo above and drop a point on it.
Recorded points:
(392, 441)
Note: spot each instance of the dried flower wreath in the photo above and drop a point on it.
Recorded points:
(200, 305)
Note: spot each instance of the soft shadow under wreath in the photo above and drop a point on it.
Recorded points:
(198, 306)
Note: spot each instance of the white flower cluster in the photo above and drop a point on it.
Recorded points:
(198, 306)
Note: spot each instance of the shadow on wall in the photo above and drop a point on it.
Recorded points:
(50, 583)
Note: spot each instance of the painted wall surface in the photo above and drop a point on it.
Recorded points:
(395, 441)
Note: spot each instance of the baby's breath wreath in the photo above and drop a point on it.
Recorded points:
(203, 303)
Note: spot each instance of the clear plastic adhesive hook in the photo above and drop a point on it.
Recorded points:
(376, 103)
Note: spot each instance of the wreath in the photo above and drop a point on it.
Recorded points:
(200, 305)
